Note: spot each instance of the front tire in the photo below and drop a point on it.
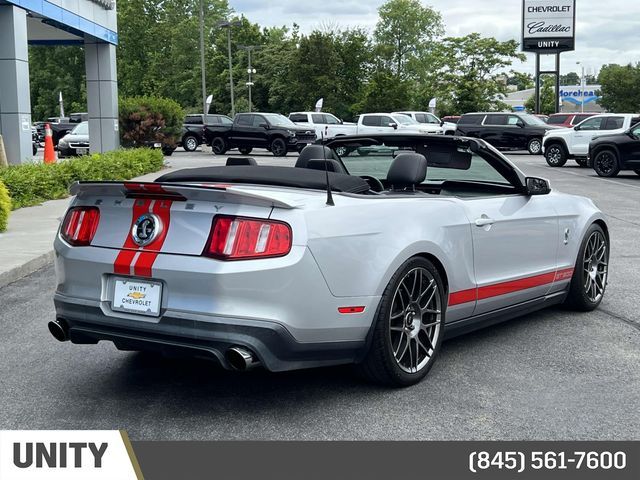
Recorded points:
(245, 150)
(278, 147)
(342, 151)
(409, 326)
(190, 143)
(535, 146)
(219, 146)
(605, 163)
(589, 280)
(555, 155)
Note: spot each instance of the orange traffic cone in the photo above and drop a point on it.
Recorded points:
(49, 152)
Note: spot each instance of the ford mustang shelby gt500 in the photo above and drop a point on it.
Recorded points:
(371, 260)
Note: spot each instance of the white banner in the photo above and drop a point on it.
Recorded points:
(67, 455)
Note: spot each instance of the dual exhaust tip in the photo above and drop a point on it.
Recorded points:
(238, 358)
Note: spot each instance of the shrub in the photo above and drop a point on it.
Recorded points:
(33, 183)
(5, 207)
(146, 120)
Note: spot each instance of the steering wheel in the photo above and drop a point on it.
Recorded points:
(374, 183)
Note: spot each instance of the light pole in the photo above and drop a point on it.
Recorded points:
(581, 87)
(250, 69)
(227, 24)
(204, 80)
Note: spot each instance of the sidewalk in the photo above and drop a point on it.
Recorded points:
(27, 245)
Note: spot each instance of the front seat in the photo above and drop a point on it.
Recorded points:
(330, 165)
(407, 171)
(314, 152)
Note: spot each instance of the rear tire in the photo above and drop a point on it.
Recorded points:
(190, 143)
(589, 280)
(219, 146)
(278, 147)
(408, 327)
(535, 146)
(605, 163)
(555, 155)
(342, 151)
(245, 150)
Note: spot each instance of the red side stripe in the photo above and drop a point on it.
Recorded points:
(502, 288)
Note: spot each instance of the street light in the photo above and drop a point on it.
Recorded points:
(228, 24)
(250, 69)
(581, 87)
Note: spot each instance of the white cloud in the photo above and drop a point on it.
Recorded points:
(606, 33)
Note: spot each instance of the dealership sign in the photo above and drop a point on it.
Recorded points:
(548, 26)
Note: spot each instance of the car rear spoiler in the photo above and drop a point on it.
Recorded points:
(180, 192)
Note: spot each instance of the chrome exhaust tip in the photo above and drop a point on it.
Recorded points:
(59, 330)
(241, 359)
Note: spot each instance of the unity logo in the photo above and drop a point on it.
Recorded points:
(58, 454)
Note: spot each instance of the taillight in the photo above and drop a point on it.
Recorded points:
(80, 225)
(238, 238)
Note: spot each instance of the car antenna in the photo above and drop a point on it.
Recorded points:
(326, 172)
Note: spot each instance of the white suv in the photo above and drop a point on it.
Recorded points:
(429, 118)
(561, 144)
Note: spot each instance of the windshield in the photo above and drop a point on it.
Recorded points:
(279, 120)
(375, 162)
(405, 120)
(532, 119)
(81, 129)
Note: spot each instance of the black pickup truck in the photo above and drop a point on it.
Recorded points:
(272, 131)
(60, 126)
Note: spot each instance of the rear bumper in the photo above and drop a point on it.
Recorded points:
(194, 335)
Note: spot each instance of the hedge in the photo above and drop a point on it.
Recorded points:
(33, 183)
(5, 207)
(145, 120)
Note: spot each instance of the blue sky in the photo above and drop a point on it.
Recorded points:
(607, 32)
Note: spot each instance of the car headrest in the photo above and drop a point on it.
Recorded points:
(313, 152)
(231, 161)
(330, 164)
(407, 170)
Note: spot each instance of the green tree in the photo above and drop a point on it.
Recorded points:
(522, 81)
(620, 87)
(571, 78)
(466, 72)
(404, 34)
(547, 97)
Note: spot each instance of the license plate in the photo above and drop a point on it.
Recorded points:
(135, 296)
(82, 151)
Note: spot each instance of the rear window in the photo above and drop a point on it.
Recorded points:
(470, 120)
(557, 119)
(244, 119)
(298, 117)
(371, 121)
(613, 123)
(496, 120)
(193, 119)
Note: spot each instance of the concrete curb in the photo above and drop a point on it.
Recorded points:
(25, 269)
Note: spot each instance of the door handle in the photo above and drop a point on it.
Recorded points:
(483, 221)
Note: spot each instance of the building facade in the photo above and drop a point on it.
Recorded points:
(91, 23)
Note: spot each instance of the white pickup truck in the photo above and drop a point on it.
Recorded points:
(325, 124)
(428, 118)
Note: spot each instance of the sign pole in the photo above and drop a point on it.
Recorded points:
(557, 83)
(538, 79)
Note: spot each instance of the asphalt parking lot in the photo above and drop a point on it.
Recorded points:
(553, 375)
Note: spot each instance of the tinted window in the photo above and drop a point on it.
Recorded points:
(592, 124)
(371, 120)
(225, 120)
(193, 119)
(613, 123)
(318, 118)
(213, 120)
(298, 117)
(470, 120)
(245, 120)
(558, 119)
(496, 120)
(259, 120)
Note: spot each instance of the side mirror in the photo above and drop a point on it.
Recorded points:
(442, 123)
(537, 186)
(340, 121)
(265, 126)
(576, 128)
(393, 125)
(520, 124)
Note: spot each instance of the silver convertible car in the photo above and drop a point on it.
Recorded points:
(372, 260)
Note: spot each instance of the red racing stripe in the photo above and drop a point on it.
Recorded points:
(503, 288)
